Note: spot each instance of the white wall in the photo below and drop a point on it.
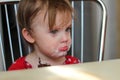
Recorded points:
(111, 45)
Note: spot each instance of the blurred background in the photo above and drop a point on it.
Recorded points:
(92, 24)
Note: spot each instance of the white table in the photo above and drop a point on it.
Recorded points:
(106, 70)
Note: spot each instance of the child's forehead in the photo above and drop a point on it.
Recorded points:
(62, 18)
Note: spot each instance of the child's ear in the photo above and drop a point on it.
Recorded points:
(28, 37)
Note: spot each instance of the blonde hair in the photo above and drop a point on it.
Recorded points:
(28, 10)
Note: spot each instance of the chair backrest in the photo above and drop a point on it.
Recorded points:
(12, 45)
(10, 36)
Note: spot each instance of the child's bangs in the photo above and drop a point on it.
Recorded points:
(64, 8)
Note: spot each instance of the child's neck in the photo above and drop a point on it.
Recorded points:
(51, 61)
(37, 57)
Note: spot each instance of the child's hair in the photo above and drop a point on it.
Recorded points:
(28, 10)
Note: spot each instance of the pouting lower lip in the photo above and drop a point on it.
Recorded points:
(65, 48)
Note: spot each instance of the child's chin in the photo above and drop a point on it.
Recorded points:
(63, 53)
(59, 54)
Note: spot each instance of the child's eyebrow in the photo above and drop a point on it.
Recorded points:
(59, 26)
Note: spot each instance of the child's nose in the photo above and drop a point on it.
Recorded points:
(65, 37)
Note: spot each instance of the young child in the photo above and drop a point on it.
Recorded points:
(46, 25)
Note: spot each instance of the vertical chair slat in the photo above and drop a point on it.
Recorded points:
(9, 33)
(2, 51)
(103, 31)
(72, 51)
(18, 31)
(82, 31)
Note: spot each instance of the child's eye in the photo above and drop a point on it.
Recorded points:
(68, 29)
(54, 31)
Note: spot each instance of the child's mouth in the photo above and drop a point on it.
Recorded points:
(65, 48)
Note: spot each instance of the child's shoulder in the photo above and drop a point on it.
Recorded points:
(20, 63)
(71, 60)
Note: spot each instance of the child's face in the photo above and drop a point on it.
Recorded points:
(52, 43)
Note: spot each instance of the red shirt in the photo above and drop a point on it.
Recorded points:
(22, 64)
